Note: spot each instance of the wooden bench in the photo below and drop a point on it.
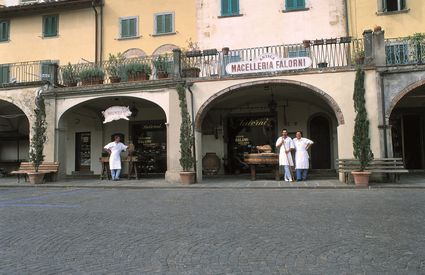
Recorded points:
(48, 168)
(388, 166)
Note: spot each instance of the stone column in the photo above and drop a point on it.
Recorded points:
(173, 139)
(177, 55)
(49, 146)
(368, 48)
(378, 48)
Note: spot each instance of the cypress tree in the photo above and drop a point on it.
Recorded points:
(361, 140)
(186, 137)
(39, 133)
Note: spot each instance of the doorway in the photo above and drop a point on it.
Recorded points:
(82, 151)
(321, 150)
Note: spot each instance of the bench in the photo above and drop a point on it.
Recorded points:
(388, 166)
(48, 168)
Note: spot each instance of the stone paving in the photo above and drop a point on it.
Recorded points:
(205, 231)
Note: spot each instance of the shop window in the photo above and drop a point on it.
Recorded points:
(4, 74)
(397, 54)
(297, 53)
(294, 4)
(164, 23)
(129, 27)
(229, 7)
(393, 5)
(4, 30)
(50, 25)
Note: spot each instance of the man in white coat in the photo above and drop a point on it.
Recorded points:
(286, 145)
(115, 148)
(301, 155)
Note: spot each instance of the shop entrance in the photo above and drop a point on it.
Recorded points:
(321, 151)
(408, 129)
(82, 151)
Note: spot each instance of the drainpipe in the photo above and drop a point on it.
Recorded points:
(101, 31)
(384, 121)
(188, 85)
(347, 26)
(96, 31)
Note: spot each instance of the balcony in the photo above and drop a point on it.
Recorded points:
(405, 51)
(28, 73)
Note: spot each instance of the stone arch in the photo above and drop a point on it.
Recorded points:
(327, 98)
(166, 48)
(134, 53)
(401, 94)
(26, 109)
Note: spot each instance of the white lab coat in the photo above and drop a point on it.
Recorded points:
(115, 157)
(288, 144)
(301, 154)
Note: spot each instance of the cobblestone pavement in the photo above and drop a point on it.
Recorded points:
(201, 231)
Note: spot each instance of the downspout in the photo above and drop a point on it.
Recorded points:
(101, 31)
(384, 121)
(188, 85)
(347, 26)
(96, 31)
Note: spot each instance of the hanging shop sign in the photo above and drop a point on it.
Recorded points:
(268, 62)
(116, 113)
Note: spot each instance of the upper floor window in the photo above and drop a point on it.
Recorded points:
(129, 27)
(229, 7)
(294, 4)
(4, 30)
(393, 5)
(164, 23)
(50, 25)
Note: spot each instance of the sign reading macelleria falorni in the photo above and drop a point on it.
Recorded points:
(268, 62)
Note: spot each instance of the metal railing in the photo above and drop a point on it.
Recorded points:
(22, 73)
(404, 51)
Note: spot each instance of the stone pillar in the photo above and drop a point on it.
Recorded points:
(368, 48)
(198, 142)
(173, 139)
(378, 48)
(177, 55)
(49, 146)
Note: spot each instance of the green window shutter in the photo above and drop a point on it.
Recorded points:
(164, 23)
(300, 4)
(235, 6)
(384, 5)
(4, 30)
(128, 27)
(4, 74)
(50, 25)
(402, 4)
(124, 28)
(132, 27)
(225, 7)
(295, 4)
(160, 24)
(168, 23)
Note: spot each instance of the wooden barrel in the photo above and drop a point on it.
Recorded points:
(262, 158)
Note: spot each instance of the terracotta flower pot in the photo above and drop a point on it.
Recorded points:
(115, 79)
(210, 164)
(92, 81)
(35, 177)
(191, 72)
(361, 179)
(161, 75)
(187, 178)
(138, 77)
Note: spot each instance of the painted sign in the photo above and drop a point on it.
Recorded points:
(116, 113)
(268, 62)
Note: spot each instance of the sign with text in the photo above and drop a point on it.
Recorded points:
(116, 113)
(268, 62)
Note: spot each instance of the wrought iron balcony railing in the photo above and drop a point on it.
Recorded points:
(404, 51)
(18, 74)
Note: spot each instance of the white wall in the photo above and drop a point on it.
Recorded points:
(263, 23)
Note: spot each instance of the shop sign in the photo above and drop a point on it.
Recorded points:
(268, 62)
(255, 122)
(116, 113)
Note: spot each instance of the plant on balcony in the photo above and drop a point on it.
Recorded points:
(361, 139)
(69, 75)
(187, 160)
(359, 57)
(418, 41)
(161, 64)
(38, 140)
(136, 71)
(92, 75)
(115, 67)
(191, 59)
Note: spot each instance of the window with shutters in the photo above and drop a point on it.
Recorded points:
(4, 30)
(392, 5)
(294, 4)
(229, 7)
(4, 74)
(129, 27)
(50, 25)
(164, 23)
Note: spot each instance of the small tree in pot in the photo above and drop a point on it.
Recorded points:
(187, 160)
(361, 140)
(37, 140)
(115, 67)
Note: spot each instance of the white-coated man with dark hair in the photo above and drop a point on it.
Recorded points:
(285, 145)
(115, 148)
(301, 155)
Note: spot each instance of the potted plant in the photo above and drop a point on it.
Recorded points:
(418, 41)
(187, 160)
(191, 60)
(322, 64)
(91, 76)
(37, 141)
(161, 66)
(359, 57)
(69, 76)
(225, 50)
(306, 43)
(361, 139)
(136, 71)
(115, 67)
